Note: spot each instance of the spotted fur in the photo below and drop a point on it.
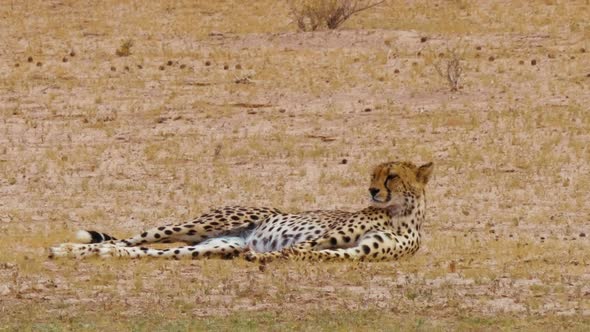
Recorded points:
(387, 230)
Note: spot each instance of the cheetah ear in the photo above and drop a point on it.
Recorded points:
(424, 172)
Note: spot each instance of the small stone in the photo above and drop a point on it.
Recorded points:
(478, 48)
(182, 66)
(39, 64)
(582, 234)
(30, 59)
(282, 110)
(368, 109)
(17, 65)
(72, 53)
(207, 63)
(344, 161)
(169, 63)
(491, 58)
(4, 290)
(161, 67)
(396, 71)
(533, 62)
(64, 59)
(423, 39)
(582, 50)
(113, 68)
(225, 67)
(139, 67)
(127, 68)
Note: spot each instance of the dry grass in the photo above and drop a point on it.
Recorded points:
(311, 15)
(449, 67)
(156, 139)
(125, 48)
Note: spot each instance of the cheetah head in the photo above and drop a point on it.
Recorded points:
(393, 183)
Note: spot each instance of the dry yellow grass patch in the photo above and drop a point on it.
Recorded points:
(217, 104)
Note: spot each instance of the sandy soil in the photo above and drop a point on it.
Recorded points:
(216, 107)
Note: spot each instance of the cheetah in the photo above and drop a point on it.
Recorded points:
(386, 230)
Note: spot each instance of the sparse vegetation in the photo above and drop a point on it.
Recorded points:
(311, 15)
(125, 48)
(506, 246)
(449, 66)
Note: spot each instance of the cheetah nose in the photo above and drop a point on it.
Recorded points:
(374, 191)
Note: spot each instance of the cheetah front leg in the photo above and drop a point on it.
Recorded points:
(373, 246)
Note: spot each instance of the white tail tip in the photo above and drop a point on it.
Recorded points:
(83, 236)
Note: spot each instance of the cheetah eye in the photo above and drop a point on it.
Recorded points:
(391, 177)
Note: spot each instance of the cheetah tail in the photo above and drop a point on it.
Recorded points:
(92, 236)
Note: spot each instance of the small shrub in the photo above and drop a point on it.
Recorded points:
(125, 48)
(311, 15)
(450, 68)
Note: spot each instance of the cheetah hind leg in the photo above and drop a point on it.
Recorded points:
(89, 243)
(75, 250)
(228, 221)
(224, 247)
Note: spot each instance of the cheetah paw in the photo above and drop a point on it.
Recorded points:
(109, 250)
(73, 250)
(250, 255)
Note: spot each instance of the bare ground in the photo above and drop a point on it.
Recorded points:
(219, 107)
